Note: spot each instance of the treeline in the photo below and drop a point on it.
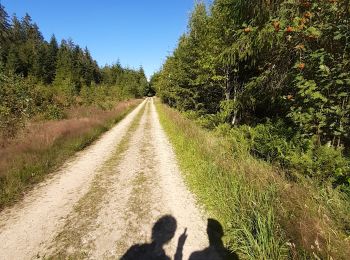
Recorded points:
(274, 75)
(40, 77)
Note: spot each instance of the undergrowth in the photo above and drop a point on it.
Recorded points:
(265, 216)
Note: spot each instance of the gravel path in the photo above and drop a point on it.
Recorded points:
(121, 198)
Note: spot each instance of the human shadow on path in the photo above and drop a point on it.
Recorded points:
(216, 249)
(162, 232)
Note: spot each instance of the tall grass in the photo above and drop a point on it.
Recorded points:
(264, 215)
(245, 210)
(43, 146)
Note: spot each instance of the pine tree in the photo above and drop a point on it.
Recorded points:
(64, 78)
(4, 35)
(50, 60)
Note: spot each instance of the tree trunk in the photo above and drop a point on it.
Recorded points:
(228, 86)
(235, 111)
(228, 89)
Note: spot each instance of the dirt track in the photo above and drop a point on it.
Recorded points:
(107, 199)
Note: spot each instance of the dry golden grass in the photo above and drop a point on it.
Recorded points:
(50, 143)
(41, 135)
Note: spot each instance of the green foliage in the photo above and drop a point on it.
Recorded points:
(287, 61)
(45, 78)
(278, 70)
(209, 121)
(184, 79)
(74, 67)
(227, 108)
(278, 143)
(324, 163)
(269, 141)
(245, 208)
(264, 215)
(132, 83)
(15, 106)
(54, 112)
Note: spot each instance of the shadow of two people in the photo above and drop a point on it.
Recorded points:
(163, 231)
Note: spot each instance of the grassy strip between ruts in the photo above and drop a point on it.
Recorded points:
(69, 242)
(264, 217)
(25, 173)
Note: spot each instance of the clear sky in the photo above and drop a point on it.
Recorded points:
(137, 32)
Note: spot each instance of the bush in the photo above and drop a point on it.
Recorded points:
(54, 112)
(15, 105)
(269, 143)
(209, 121)
(227, 108)
(238, 138)
(277, 143)
(272, 142)
(324, 164)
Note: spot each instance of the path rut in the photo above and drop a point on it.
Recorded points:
(107, 199)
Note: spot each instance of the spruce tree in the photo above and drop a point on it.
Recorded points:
(4, 35)
(50, 60)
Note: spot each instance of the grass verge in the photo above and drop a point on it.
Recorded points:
(30, 165)
(263, 215)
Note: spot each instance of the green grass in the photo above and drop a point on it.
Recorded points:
(27, 172)
(264, 215)
(244, 208)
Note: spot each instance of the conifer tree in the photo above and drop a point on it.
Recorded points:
(50, 60)
(4, 34)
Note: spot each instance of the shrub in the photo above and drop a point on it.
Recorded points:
(209, 121)
(269, 143)
(323, 163)
(54, 112)
(277, 143)
(15, 105)
(237, 138)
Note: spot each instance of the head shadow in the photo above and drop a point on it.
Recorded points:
(216, 248)
(162, 232)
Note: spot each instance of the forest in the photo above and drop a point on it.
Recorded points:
(54, 101)
(274, 75)
(39, 77)
(269, 81)
(255, 102)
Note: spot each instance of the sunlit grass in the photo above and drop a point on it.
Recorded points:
(265, 216)
(27, 162)
(245, 211)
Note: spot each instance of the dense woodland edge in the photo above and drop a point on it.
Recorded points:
(54, 101)
(44, 78)
(272, 78)
(273, 74)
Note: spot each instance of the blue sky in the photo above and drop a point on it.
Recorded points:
(137, 32)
